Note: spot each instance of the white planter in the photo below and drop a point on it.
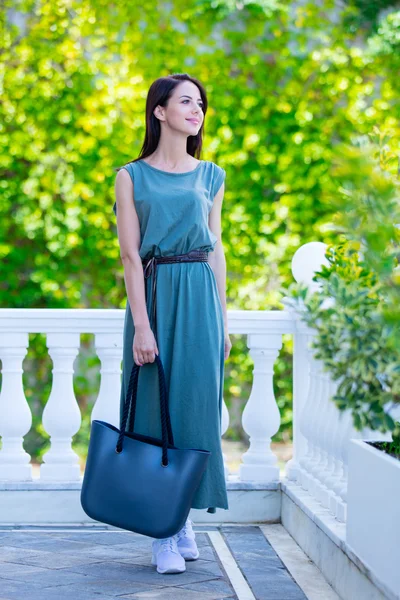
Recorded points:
(373, 512)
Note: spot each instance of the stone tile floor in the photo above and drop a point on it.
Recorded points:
(236, 562)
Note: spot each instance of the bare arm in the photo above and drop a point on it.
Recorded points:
(217, 258)
(129, 241)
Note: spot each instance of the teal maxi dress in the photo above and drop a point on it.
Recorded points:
(173, 211)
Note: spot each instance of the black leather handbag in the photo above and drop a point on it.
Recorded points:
(136, 482)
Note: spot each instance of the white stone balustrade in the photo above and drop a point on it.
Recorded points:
(61, 415)
(321, 431)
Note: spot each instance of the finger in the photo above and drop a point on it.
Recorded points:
(150, 356)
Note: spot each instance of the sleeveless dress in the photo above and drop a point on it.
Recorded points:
(173, 211)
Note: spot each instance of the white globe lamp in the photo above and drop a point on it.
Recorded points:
(306, 261)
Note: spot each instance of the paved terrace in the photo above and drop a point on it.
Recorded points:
(236, 562)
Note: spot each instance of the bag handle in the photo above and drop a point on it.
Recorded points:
(130, 403)
(163, 399)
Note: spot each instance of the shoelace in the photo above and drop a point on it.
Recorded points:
(184, 529)
(167, 544)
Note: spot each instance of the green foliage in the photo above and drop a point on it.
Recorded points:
(366, 14)
(369, 194)
(355, 312)
(286, 83)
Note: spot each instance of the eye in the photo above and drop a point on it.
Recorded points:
(200, 103)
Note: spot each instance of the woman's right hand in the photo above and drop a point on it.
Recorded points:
(144, 345)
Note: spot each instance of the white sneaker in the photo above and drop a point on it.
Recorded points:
(185, 539)
(166, 556)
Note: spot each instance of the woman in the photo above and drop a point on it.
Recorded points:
(176, 210)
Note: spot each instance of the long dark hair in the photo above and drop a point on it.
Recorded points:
(159, 93)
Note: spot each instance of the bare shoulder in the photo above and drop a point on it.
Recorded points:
(124, 191)
(123, 176)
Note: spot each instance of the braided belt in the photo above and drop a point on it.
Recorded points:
(150, 268)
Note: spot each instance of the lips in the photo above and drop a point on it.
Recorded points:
(193, 121)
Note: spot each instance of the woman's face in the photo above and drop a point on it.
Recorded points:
(184, 112)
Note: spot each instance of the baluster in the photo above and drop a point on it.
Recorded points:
(109, 350)
(347, 432)
(328, 425)
(336, 479)
(301, 381)
(316, 421)
(261, 417)
(332, 469)
(305, 424)
(61, 415)
(15, 414)
(310, 421)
